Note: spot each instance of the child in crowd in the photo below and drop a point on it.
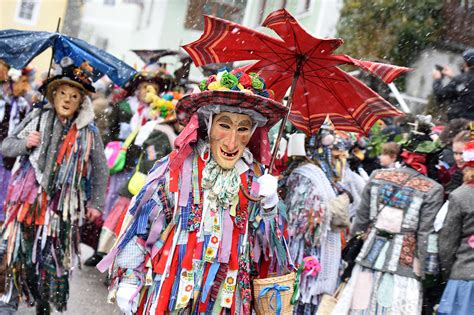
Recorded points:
(389, 155)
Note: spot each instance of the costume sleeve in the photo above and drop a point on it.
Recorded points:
(427, 239)
(362, 217)
(450, 237)
(100, 173)
(12, 146)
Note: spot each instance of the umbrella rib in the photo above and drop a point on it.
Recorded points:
(345, 109)
(269, 60)
(317, 84)
(273, 51)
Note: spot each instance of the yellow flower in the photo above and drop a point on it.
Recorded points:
(209, 252)
(214, 86)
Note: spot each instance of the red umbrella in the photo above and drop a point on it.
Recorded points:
(306, 63)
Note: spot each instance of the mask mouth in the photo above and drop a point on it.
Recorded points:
(229, 155)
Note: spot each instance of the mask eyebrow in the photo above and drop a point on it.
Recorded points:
(245, 123)
(225, 119)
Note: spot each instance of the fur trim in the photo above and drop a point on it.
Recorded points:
(86, 114)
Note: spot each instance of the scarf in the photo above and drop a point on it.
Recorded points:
(415, 161)
(223, 185)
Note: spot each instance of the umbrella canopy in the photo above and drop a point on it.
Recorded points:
(18, 48)
(307, 64)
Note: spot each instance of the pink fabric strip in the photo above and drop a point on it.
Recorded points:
(155, 230)
(257, 251)
(226, 243)
(107, 261)
(185, 189)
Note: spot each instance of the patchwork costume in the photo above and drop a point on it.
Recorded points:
(397, 210)
(192, 241)
(48, 196)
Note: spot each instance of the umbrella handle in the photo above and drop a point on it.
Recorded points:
(285, 119)
(248, 196)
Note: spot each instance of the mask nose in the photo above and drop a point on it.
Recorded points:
(231, 142)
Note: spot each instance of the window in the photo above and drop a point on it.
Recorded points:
(232, 10)
(109, 2)
(27, 11)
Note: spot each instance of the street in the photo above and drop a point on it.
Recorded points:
(88, 293)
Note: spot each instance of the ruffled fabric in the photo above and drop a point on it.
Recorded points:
(310, 233)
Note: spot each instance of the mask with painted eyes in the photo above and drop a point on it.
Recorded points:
(67, 100)
(229, 135)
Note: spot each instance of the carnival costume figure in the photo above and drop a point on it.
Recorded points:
(14, 84)
(192, 241)
(154, 140)
(317, 214)
(58, 183)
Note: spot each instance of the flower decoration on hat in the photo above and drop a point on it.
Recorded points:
(236, 80)
(79, 77)
(161, 106)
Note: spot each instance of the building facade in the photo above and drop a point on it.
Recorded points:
(122, 25)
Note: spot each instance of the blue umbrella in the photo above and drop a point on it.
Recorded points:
(18, 48)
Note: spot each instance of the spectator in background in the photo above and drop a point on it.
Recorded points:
(452, 177)
(456, 242)
(446, 137)
(389, 156)
(459, 93)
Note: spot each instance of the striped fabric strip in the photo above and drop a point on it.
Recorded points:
(185, 211)
(143, 217)
(221, 275)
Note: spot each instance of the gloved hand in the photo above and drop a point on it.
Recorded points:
(268, 190)
(125, 291)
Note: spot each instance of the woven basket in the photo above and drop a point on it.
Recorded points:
(262, 305)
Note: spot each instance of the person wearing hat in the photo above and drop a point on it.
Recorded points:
(315, 213)
(397, 211)
(459, 92)
(59, 184)
(14, 84)
(154, 141)
(456, 244)
(129, 114)
(195, 237)
(132, 112)
(139, 115)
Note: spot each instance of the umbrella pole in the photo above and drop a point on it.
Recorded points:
(282, 129)
(52, 53)
(285, 119)
(47, 77)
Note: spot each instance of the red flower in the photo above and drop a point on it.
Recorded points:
(211, 79)
(214, 239)
(245, 80)
(188, 288)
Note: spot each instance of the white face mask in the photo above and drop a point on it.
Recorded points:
(327, 140)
